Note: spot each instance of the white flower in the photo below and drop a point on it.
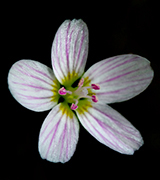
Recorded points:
(115, 79)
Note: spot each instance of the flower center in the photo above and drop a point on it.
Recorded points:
(73, 96)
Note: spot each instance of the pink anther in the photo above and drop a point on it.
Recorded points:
(95, 86)
(94, 98)
(80, 84)
(74, 106)
(62, 91)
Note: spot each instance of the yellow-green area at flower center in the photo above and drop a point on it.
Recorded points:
(69, 98)
(74, 95)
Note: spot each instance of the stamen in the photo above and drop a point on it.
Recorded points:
(80, 92)
(94, 98)
(80, 84)
(73, 106)
(95, 86)
(63, 91)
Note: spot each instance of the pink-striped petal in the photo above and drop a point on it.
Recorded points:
(33, 85)
(59, 134)
(120, 78)
(69, 51)
(110, 128)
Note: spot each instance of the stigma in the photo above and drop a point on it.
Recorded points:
(73, 96)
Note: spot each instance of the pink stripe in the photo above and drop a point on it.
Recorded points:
(117, 77)
(32, 86)
(117, 122)
(83, 58)
(106, 127)
(63, 135)
(121, 90)
(82, 61)
(106, 140)
(88, 128)
(55, 127)
(106, 68)
(57, 60)
(44, 74)
(75, 45)
(55, 68)
(54, 56)
(37, 104)
(67, 139)
(61, 61)
(71, 134)
(99, 64)
(107, 131)
(46, 125)
(130, 81)
(29, 75)
(32, 97)
(67, 44)
(129, 60)
(80, 47)
(18, 77)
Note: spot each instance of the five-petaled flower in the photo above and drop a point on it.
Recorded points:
(116, 79)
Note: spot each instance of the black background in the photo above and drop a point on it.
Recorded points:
(115, 27)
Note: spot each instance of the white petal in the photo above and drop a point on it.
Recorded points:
(69, 51)
(110, 128)
(120, 77)
(59, 134)
(33, 85)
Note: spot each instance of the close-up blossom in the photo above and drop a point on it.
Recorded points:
(76, 96)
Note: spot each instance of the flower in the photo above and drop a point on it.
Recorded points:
(84, 95)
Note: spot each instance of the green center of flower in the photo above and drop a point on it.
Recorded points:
(72, 95)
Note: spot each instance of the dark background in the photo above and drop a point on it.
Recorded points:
(115, 27)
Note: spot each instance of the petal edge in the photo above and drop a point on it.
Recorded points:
(120, 78)
(111, 129)
(59, 135)
(69, 51)
(33, 85)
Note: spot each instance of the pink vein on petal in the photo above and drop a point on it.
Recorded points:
(63, 138)
(108, 131)
(67, 49)
(98, 71)
(46, 125)
(55, 127)
(32, 97)
(117, 77)
(79, 51)
(33, 76)
(61, 50)
(42, 88)
(98, 133)
(117, 122)
(40, 72)
(102, 65)
(56, 53)
(119, 90)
